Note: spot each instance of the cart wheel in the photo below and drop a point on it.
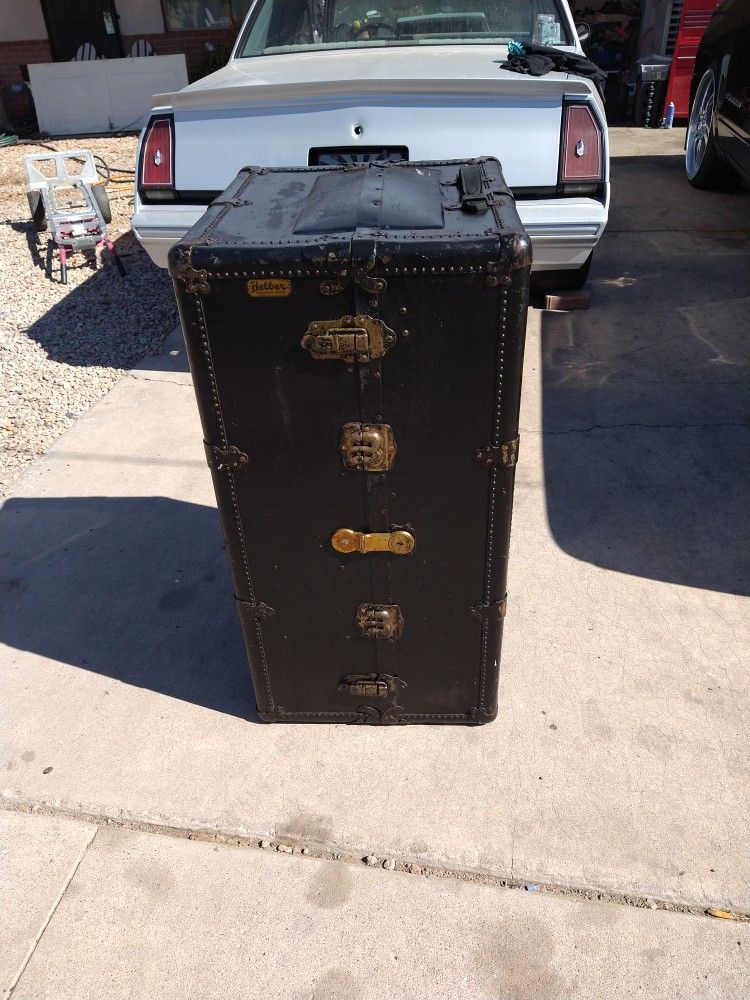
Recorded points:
(102, 200)
(36, 208)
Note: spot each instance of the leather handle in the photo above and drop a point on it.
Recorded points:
(471, 188)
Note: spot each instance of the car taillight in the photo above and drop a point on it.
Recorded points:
(157, 155)
(582, 157)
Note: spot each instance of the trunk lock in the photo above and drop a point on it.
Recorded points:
(380, 621)
(398, 543)
(350, 339)
(368, 447)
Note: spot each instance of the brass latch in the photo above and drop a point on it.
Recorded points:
(351, 338)
(364, 686)
(369, 447)
(505, 454)
(398, 543)
(371, 685)
(380, 621)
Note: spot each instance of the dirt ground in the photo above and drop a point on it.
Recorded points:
(64, 346)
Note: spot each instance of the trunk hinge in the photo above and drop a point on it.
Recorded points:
(505, 454)
(495, 611)
(337, 268)
(225, 458)
(256, 612)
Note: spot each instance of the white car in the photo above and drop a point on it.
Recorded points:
(334, 81)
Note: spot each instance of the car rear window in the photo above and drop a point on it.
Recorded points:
(279, 26)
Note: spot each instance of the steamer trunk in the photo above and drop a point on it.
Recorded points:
(356, 336)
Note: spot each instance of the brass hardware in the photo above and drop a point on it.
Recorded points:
(398, 543)
(256, 612)
(364, 686)
(371, 685)
(369, 447)
(196, 280)
(505, 454)
(350, 339)
(372, 285)
(337, 276)
(493, 278)
(331, 287)
(490, 611)
(380, 621)
(225, 458)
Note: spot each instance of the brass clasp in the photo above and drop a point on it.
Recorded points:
(380, 621)
(350, 339)
(368, 447)
(371, 685)
(398, 543)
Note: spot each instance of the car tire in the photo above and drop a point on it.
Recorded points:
(704, 167)
(570, 280)
(36, 209)
(102, 200)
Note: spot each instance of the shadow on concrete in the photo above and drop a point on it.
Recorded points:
(645, 395)
(135, 588)
(650, 193)
(106, 320)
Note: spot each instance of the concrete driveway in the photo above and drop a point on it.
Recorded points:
(570, 849)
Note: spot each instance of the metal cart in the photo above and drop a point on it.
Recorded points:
(66, 195)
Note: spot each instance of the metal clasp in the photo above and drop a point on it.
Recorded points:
(398, 543)
(380, 621)
(371, 685)
(368, 447)
(351, 338)
(505, 454)
(225, 458)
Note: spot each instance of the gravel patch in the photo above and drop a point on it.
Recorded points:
(62, 347)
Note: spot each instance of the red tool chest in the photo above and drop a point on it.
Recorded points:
(693, 22)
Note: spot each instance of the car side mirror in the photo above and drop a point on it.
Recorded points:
(583, 31)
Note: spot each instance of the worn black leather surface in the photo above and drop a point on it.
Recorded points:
(391, 241)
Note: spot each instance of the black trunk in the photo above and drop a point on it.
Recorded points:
(356, 337)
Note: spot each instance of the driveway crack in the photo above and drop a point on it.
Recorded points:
(386, 862)
(644, 426)
(52, 910)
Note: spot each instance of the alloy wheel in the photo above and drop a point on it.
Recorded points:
(700, 125)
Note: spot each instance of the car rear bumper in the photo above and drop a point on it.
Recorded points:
(563, 231)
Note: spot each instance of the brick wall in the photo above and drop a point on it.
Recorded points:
(192, 43)
(14, 54)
